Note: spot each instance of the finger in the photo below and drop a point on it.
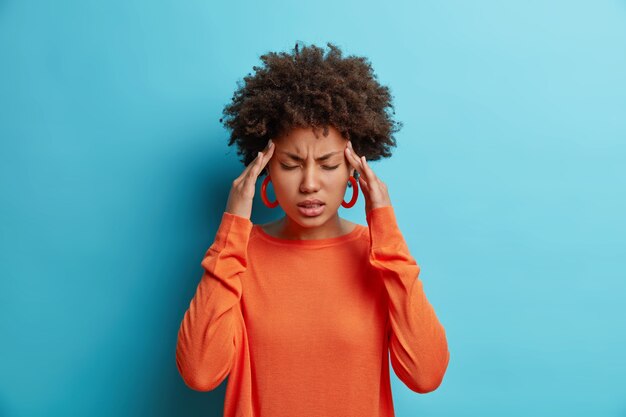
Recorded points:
(363, 165)
(355, 155)
(263, 158)
(371, 176)
(355, 162)
(267, 155)
(258, 166)
(259, 157)
(354, 167)
(358, 164)
(353, 159)
(246, 172)
(364, 185)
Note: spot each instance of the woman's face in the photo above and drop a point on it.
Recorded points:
(304, 167)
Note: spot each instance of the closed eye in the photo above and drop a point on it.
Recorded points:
(329, 168)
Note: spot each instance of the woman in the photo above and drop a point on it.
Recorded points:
(302, 313)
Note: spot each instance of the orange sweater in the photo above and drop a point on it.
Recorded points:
(304, 327)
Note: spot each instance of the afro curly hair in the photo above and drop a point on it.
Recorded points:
(311, 88)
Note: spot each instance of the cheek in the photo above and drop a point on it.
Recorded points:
(340, 180)
(280, 181)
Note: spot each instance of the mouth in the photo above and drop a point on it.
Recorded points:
(311, 204)
(311, 208)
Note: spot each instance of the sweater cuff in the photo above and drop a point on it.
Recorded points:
(383, 226)
(233, 231)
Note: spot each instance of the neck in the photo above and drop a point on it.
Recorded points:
(289, 229)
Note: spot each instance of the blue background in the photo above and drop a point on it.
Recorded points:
(508, 183)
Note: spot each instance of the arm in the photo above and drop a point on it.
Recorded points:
(417, 340)
(206, 344)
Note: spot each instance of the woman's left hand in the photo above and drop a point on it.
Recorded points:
(374, 190)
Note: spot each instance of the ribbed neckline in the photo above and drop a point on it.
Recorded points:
(310, 243)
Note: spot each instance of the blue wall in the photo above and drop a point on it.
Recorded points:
(507, 181)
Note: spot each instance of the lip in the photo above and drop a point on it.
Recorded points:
(310, 202)
(311, 212)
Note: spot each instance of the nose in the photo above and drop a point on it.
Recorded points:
(310, 182)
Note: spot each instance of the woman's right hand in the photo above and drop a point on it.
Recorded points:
(242, 190)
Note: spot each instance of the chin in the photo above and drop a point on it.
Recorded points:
(309, 219)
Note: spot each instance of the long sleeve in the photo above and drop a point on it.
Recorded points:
(207, 339)
(417, 341)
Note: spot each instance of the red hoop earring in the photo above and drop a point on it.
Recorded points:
(355, 193)
(264, 194)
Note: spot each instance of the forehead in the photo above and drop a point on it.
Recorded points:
(304, 141)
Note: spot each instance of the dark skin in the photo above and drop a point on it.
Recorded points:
(308, 176)
(374, 191)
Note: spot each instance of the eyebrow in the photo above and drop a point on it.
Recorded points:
(321, 158)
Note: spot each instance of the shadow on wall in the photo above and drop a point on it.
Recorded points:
(163, 393)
